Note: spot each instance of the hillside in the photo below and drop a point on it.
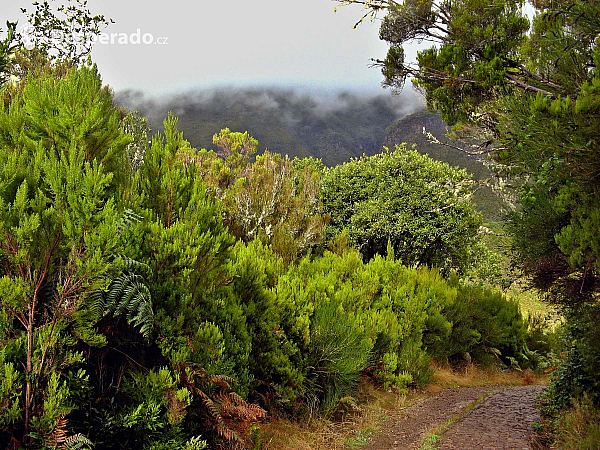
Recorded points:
(334, 128)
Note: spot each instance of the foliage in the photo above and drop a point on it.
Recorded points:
(339, 351)
(273, 198)
(575, 376)
(381, 306)
(473, 58)
(418, 129)
(485, 324)
(7, 47)
(534, 90)
(59, 228)
(66, 32)
(127, 294)
(418, 205)
(151, 294)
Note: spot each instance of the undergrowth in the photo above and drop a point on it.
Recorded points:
(579, 427)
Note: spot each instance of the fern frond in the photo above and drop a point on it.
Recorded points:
(135, 266)
(59, 434)
(128, 218)
(222, 381)
(77, 442)
(97, 305)
(127, 295)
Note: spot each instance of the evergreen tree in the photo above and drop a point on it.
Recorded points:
(60, 149)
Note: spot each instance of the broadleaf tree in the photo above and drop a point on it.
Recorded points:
(419, 206)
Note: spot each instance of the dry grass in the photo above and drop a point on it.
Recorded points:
(477, 376)
(350, 431)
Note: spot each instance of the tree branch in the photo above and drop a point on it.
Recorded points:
(528, 87)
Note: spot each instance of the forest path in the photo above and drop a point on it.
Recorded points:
(486, 417)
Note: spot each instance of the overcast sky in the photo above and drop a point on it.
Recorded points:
(299, 43)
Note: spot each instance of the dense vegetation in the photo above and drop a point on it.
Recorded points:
(132, 316)
(416, 205)
(154, 295)
(532, 88)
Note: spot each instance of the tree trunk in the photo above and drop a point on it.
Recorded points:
(29, 369)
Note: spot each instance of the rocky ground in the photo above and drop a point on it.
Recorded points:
(488, 417)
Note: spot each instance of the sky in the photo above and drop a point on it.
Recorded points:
(208, 43)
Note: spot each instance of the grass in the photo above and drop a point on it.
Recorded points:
(475, 376)
(361, 439)
(579, 427)
(352, 431)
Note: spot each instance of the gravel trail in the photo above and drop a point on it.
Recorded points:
(502, 419)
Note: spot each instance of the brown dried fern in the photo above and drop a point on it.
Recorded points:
(228, 414)
(58, 438)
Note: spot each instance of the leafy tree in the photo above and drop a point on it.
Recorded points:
(65, 32)
(538, 98)
(418, 205)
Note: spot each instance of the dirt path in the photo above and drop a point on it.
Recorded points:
(502, 421)
(489, 417)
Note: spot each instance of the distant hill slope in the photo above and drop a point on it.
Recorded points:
(334, 128)
(410, 130)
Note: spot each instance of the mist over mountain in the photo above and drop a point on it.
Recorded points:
(333, 126)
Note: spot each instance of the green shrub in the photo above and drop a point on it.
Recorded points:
(484, 323)
(414, 361)
(338, 352)
(388, 301)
